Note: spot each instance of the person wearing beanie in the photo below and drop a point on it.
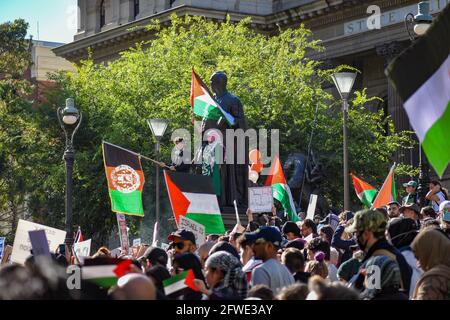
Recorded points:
(401, 233)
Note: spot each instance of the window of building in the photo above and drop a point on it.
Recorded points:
(136, 8)
(102, 14)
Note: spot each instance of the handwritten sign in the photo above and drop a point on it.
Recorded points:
(196, 228)
(136, 242)
(123, 232)
(260, 199)
(22, 244)
(39, 243)
(311, 207)
(82, 249)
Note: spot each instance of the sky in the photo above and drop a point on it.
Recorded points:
(57, 18)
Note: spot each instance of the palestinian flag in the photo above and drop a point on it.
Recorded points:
(193, 196)
(387, 192)
(281, 190)
(365, 192)
(203, 103)
(125, 179)
(179, 282)
(104, 271)
(421, 76)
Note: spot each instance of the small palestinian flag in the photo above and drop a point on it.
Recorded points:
(104, 271)
(125, 179)
(365, 192)
(281, 190)
(387, 192)
(203, 103)
(421, 76)
(179, 282)
(193, 196)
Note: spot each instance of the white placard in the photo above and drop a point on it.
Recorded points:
(260, 199)
(22, 244)
(238, 229)
(82, 249)
(196, 228)
(311, 207)
(136, 242)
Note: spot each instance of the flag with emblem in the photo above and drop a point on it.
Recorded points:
(365, 192)
(281, 190)
(193, 196)
(125, 179)
(387, 192)
(179, 282)
(421, 76)
(203, 103)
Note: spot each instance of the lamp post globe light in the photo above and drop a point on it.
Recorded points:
(419, 22)
(158, 127)
(69, 119)
(344, 83)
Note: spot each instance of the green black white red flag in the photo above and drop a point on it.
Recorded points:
(365, 192)
(125, 179)
(421, 76)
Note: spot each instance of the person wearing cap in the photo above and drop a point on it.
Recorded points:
(444, 212)
(436, 194)
(401, 233)
(369, 227)
(177, 163)
(411, 196)
(393, 209)
(411, 211)
(153, 256)
(182, 241)
(265, 244)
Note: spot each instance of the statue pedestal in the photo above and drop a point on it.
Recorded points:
(229, 217)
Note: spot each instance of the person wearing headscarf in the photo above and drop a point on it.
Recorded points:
(225, 278)
(183, 262)
(432, 249)
(401, 232)
(383, 280)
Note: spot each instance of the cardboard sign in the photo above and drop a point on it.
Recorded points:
(2, 246)
(123, 232)
(136, 242)
(39, 243)
(311, 207)
(260, 199)
(6, 254)
(22, 244)
(238, 229)
(196, 228)
(82, 249)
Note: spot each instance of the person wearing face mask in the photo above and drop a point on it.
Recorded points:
(369, 227)
(177, 163)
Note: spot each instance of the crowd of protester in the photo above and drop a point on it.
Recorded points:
(397, 252)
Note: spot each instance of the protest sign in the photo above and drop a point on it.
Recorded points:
(238, 229)
(123, 232)
(22, 244)
(82, 249)
(115, 253)
(196, 228)
(39, 243)
(2, 245)
(311, 207)
(136, 242)
(6, 254)
(260, 199)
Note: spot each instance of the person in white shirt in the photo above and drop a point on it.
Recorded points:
(436, 195)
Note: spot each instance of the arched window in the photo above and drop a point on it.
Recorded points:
(136, 8)
(102, 14)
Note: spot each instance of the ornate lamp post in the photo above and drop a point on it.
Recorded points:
(69, 119)
(158, 127)
(420, 24)
(344, 82)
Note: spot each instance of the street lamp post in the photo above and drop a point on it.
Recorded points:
(69, 119)
(158, 127)
(420, 24)
(344, 82)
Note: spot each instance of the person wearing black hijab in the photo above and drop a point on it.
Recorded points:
(183, 262)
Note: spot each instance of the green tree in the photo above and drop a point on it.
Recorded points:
(279, 86)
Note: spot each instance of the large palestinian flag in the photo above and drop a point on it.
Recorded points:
(203, 103)
(125, 179)
(281, 190)
(193, 196)
(365, 192)
(387, 192)
(421, 76)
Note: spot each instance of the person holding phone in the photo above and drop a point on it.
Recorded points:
(436, 195)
